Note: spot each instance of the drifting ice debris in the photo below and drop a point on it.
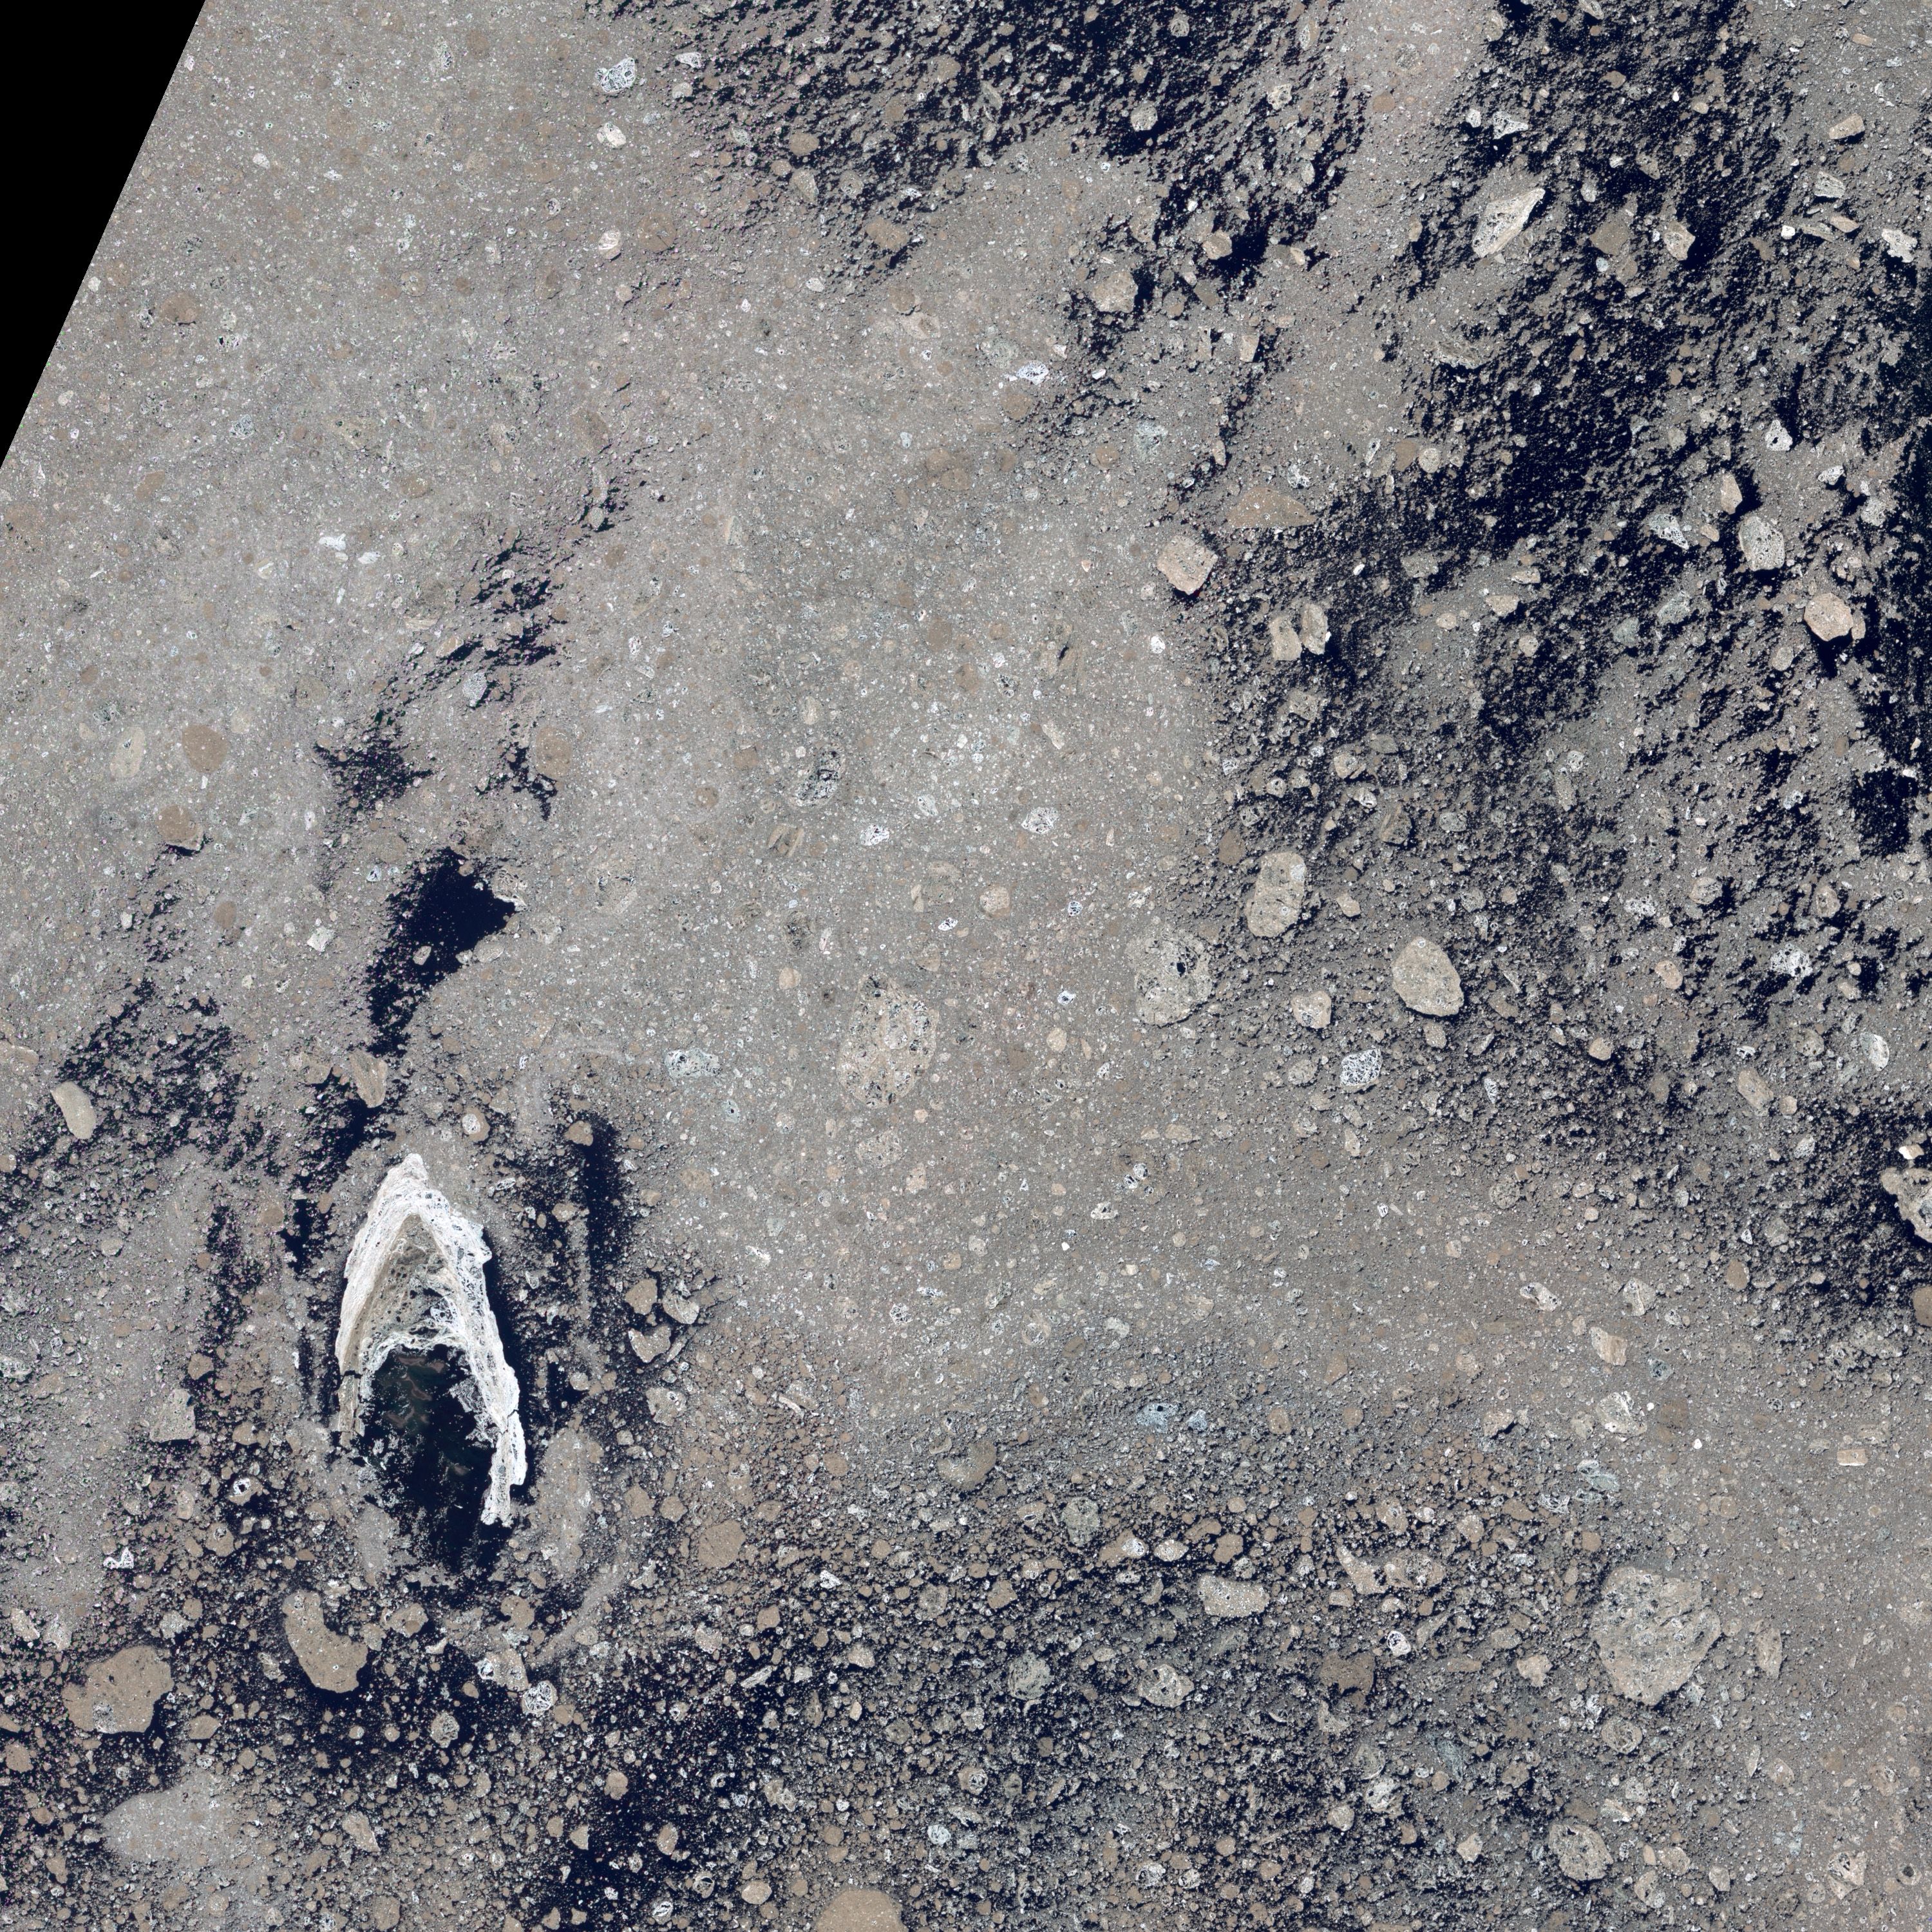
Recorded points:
(415, 1281)
(1281, 890)
(1580, 1852)
(1652, 1632)
(1186, 563)
(1912, 1188)
(1425, 979)
(76, 1110)
(330, 1661)
(1172, 975)
(121, 1691)
(1501, 221)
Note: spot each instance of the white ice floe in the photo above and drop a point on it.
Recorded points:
(415, 1280)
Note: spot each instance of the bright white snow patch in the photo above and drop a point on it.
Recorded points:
(415, 1281)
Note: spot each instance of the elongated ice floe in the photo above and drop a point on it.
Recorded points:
(415, 1280)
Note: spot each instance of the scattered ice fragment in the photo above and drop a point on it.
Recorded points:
(76, 1110)
(1280, 890)
(1580, 1852)
(1912, 1188)
(1172, 975)
(1761, 542)
(1186, 563)
(330, 1661)
(1652, 1632)
(1360, 1071)
(690, 1062)
(120, 1692)
(1829, 616)
(1311, 1009)
(1028, 1678)
(1617, 1414)
(1222, 1598)
(171, 1419)
(1425, 979)
(1502, 221)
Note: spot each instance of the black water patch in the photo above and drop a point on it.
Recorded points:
(341, 1127)
(519, 582)
(1899, 613)
(305, 1234)
(1566, 420)
(1248, 249)
(373, 771)
(1882, 803)
(430, 1449)
(1758, 994)
(522, 776)
(445, 910)
(603, 1192)
(1877, 957)
(738, 1762)
(1869, 1253)
(338, 1122)
(703, 1776)
(1834, 653)
(508, 1333)
(509, 601)
(233, 1280)
(505, 609)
